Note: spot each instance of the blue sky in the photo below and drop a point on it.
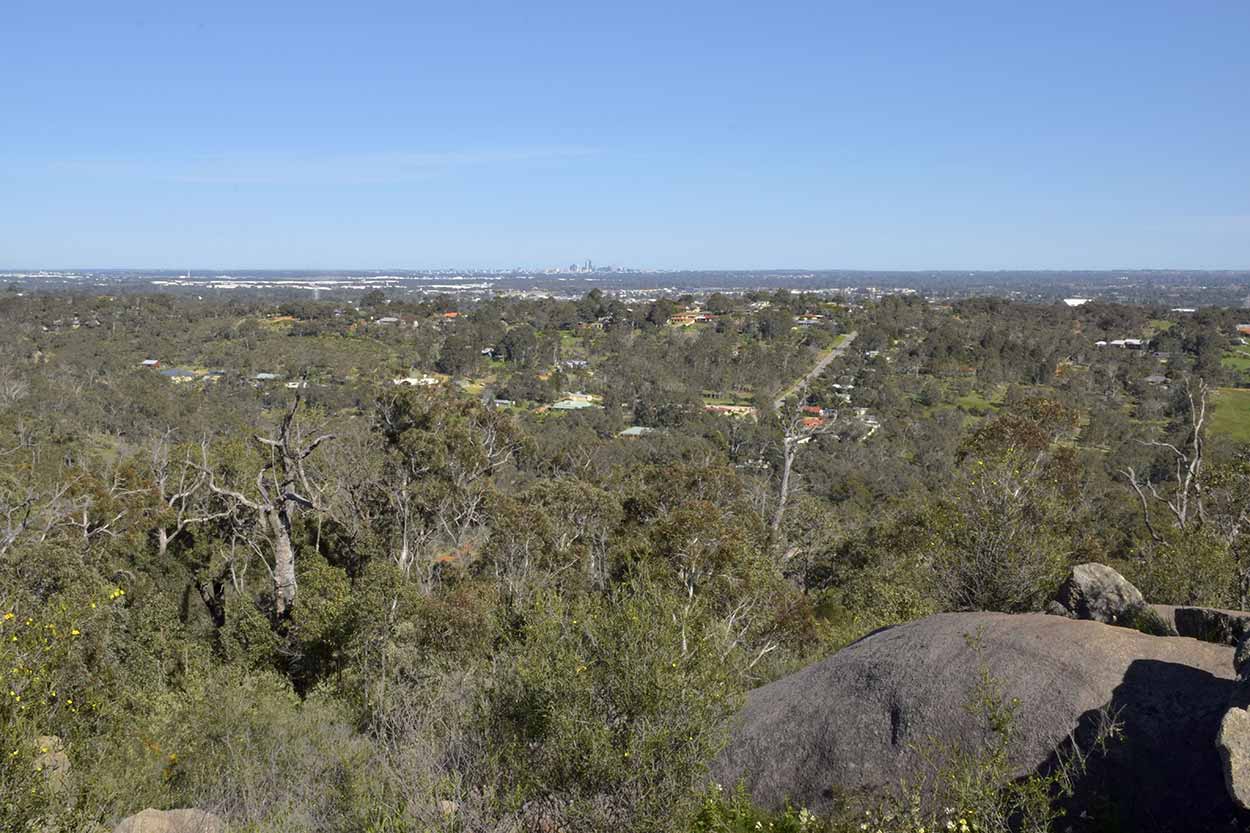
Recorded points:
(679, 134)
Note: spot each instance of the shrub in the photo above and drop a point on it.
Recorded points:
(609, 710)
(48, 698)
(1187, 568)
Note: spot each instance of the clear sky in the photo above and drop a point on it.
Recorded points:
(275, 134)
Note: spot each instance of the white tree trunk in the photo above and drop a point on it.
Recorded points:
(283, 560)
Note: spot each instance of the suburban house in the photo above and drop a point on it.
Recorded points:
(694, 316)
(178, 374)
(416, 381)
(150, 363)
(576, 402)
(731, 410)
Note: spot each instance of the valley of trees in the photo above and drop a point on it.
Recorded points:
(527, 587)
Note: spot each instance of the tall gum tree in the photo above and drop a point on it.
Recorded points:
(282, 488)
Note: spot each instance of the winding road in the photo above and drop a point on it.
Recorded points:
(815, 371)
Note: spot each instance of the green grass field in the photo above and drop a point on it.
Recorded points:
(1236, 360)
(974, 401)
(1157, 325)
(1232, 414)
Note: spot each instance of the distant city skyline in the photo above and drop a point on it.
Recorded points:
(808, 135)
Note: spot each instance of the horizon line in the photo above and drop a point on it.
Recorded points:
(628, 269)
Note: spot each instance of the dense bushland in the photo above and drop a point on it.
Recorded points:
(346, 604)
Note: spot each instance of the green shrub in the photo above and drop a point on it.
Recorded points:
(733, 812)
(609, 709)
(1187, 568)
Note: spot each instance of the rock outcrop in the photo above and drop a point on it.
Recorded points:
(1233, 743)
(1209, 624)
(1097, 592)
(171, 821)
(853, 725)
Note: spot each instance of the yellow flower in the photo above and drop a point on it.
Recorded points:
(75, 632)
(8, 616)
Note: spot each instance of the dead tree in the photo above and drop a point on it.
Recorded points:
(1183, 499)
(797, 429)
(177, 485)
(30, 513)
(282, 489)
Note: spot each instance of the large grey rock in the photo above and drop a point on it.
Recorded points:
(1233, 743)
(1095, 591)
(1209, 624)
(852, 726)
(1241, 658)
(171, 821)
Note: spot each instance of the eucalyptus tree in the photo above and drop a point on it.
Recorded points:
(281, 489)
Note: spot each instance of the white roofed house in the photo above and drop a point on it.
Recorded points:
(416, 381)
